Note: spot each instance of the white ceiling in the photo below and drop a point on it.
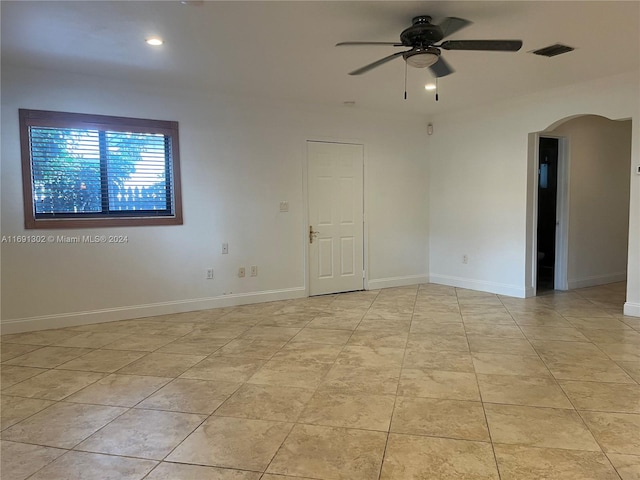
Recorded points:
(285, 50)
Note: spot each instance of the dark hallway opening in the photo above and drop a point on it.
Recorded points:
(547, 206)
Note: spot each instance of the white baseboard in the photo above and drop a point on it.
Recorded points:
(479, 285)
(632, 309)
(397, 281)
(73, 319)
(596, 280)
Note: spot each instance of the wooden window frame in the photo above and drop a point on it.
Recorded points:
(43, 118)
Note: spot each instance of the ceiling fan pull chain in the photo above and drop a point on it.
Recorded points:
(405, 80)
(436, 89)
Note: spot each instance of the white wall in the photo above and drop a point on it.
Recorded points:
(599, 154)
(239, 159)
(475, 203)
(480, 178)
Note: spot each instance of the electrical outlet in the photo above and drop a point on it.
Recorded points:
(225, 248)
(254, 270)
(465, 258)
(241, 272)
(209, 273)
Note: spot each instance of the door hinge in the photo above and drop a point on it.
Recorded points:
(363, 274)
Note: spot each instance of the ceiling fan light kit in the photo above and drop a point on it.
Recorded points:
(421, 58)
(421, 38)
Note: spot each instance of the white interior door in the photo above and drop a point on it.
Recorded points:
(335, 234)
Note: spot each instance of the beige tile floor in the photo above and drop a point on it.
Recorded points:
(422, 382)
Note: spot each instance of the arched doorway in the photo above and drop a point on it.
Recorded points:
(592, 214)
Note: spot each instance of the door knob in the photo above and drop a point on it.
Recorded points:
(312, 234)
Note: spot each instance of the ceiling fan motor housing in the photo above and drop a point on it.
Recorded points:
(421, 33)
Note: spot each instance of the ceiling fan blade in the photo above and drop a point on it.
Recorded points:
(373, 65)
(350, 44)
(452, 24)
(441, 68)
(492, 45)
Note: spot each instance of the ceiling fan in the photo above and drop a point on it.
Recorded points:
(422, 37)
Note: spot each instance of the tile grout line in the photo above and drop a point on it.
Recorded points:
(295, 422)
(395, 400)
(484, 411)
(557, 383)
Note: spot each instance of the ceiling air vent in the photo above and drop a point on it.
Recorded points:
(553, 50)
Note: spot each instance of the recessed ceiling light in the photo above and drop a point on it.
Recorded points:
(155, 41)
(430, 86)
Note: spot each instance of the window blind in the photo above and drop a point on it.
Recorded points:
(83, 170)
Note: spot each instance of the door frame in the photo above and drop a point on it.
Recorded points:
(305, 196)
(562, 214)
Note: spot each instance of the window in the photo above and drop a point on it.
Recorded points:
(96, 171)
